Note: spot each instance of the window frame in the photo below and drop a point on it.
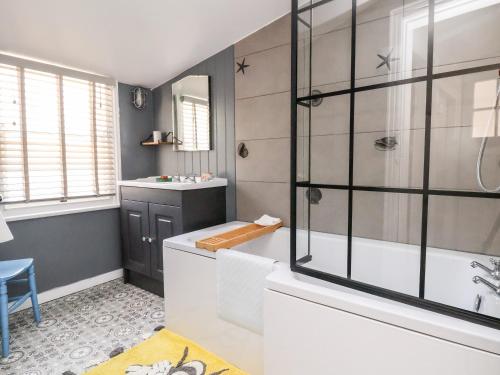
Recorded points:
(39, 209)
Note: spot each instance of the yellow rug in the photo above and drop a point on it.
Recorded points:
(166, 353)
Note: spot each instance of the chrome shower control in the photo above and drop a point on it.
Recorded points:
(493, 287)
(495, 262)
(495, 272)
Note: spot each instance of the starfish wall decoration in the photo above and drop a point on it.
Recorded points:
(386, 60)
(242, 66)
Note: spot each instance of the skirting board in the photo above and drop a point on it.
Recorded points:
(65, 290)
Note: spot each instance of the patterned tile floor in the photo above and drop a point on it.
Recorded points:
(81, 330)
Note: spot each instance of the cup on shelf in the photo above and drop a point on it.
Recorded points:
(157, 136)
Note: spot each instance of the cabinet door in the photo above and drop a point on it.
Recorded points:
(135, 231)
(164, 222)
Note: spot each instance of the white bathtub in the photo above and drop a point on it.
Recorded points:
(190, 296)
(396, 267)
(311, 325)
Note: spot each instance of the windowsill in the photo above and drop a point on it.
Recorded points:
(48, 209)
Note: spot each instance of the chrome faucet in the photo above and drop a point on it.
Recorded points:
(191, 178)
(495, 288)
(495, 272)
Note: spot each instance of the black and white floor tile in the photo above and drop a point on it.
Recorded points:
(81, 330)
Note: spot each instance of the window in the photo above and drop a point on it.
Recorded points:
(196, 122)
(57, 139)
(485, 121)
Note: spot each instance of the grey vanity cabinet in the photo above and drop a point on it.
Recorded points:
(145, 226)
(136, 249)
(148, 216)
(164, 222)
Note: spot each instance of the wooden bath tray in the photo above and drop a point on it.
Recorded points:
(235, 237)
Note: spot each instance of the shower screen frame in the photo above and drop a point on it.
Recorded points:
(297, 265)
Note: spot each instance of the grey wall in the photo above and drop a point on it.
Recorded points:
(263, 122)
(70, 248)
(135, 125)
(67, 248)
(219, 161)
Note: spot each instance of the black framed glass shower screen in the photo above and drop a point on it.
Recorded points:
(354, 98)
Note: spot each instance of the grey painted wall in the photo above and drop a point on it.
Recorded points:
(220, 161)
(70, 248)
(67, 248)
(135, 125)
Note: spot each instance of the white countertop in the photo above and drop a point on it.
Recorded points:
(150, 182)
(187, 241)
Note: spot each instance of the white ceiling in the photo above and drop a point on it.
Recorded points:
(138, 42)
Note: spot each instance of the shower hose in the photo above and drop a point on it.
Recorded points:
(484, 141)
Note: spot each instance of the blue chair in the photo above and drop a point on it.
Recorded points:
(10, 269)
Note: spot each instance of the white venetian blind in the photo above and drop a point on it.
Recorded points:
(196, 124)
(56, 136)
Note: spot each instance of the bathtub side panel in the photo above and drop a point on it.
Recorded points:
(190, 306)
(301, 337)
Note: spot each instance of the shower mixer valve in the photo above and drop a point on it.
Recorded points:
(493, 287)
(495, 272)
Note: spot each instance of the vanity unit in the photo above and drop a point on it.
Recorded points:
(153, 211)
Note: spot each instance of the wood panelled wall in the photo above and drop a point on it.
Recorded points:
(220, 161)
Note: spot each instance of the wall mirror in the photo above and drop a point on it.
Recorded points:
(191, 113)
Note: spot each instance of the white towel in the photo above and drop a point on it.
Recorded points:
(240, 287)
(267, 220)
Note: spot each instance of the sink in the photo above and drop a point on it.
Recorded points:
(183, 180)
(150, 182)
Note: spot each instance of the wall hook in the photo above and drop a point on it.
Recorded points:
(242, 150)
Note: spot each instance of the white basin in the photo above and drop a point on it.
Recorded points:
(183, 180)
(150, 182)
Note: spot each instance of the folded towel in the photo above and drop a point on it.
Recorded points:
(267, 220)
(240, 287)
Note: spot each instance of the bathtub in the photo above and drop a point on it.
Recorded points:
(312, 326)
(190, 295)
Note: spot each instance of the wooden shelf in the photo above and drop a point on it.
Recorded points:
(157, 143)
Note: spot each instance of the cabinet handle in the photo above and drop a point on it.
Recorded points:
(150, 239)
(143, 239)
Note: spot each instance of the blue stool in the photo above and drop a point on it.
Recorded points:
(9, 269)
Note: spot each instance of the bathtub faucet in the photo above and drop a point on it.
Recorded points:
(495, 288)
(495, 272)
